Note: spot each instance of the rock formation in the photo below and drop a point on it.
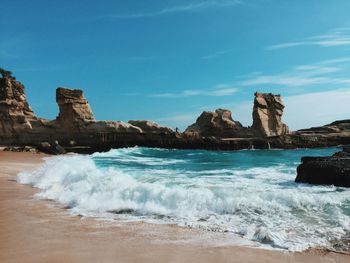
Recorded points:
(73, 107)
(217, 124)
(212, 130)
(267, 115)
(336, 127)
(333, 170)
(151, 127)
(75, 114)
(15, 112)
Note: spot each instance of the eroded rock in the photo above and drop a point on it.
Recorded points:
(151, 127)
(267, 115)
(73, 107)
(217, 124)
(15, 112)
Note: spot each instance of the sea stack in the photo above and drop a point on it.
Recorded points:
(73, 107)
(267, 115)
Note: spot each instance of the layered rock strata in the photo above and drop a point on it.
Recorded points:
(15, 112)
(76, 126)
(267, 115)
(73, 107)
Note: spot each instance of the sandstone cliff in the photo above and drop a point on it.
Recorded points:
(76, 125)
(15, 112)
(267, 115)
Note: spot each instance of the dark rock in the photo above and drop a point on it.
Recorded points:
(54, 148)
(333, 170)
(21, 149)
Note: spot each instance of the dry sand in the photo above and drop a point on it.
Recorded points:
(33, 230)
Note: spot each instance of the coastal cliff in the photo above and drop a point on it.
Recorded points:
(76, 128)
(15, 113)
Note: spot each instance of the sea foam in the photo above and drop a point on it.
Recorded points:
(240, 192)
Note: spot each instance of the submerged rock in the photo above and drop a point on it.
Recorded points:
(267, 115)
(333, 170)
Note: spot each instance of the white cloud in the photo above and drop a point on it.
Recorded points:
(190, 7)
(337, 37)
(216, 92)
(316, 109)
(182, 120)
(304, 75)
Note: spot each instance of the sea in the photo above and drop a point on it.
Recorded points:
(250, 193)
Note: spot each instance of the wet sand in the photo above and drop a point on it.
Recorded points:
(33, 230)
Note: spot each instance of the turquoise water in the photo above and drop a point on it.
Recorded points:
(249, 193)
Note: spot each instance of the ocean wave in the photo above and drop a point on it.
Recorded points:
(260, 203)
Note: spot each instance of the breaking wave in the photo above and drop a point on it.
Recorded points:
(250, 193)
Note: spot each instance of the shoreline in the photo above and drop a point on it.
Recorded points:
(34, 230)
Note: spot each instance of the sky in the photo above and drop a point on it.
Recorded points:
(168, 61)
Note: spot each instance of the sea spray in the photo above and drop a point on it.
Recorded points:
(250, 193)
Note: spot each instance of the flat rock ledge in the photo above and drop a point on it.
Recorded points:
(332, 170)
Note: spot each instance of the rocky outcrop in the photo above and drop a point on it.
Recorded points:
(342, 126)
(151, 127)
(15, 112)
(333, 170)
(75, 115)
(111, 126)
(212, 130)
(217, 124)
(267, 115)
(73, 107)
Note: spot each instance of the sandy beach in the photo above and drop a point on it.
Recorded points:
(33, 230)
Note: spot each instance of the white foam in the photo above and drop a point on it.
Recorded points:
(261, 204)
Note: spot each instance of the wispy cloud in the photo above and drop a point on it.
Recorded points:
(315, 109)
(181, 119)
(323, 72)
(190, 7)
(337, 37)
(218, 91)
(217, 54)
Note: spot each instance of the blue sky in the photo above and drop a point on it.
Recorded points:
(169, 60)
